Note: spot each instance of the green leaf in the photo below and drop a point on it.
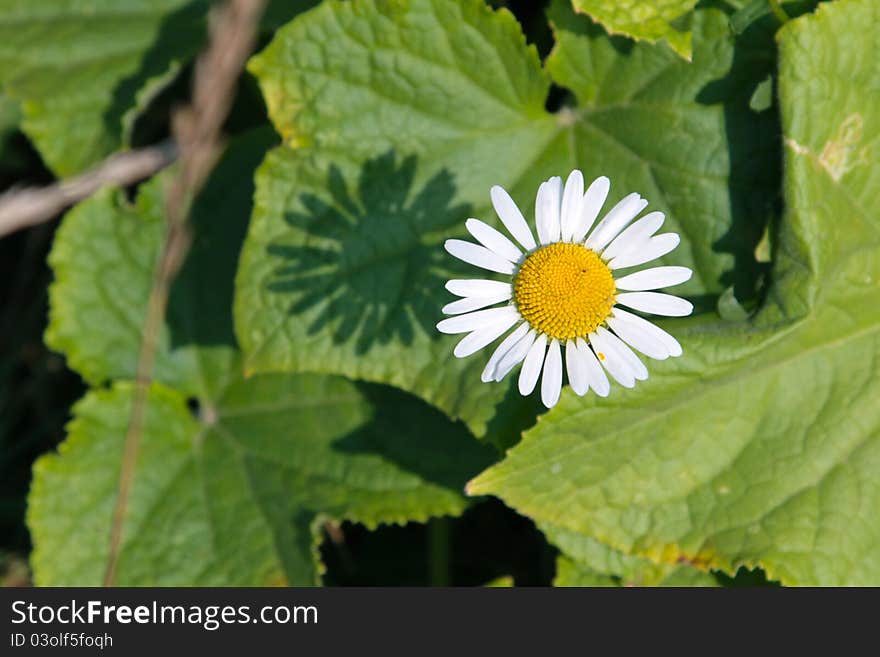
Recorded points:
(234, 496)
(82, 71)
(103, 258)
(680, 134)
(761, 445)
(393, 136)
(238, 487)
(730, 308)
(571, 573)
(587, 562)
(644, 20)
(343, 270)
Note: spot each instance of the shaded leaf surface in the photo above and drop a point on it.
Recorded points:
(233, 497)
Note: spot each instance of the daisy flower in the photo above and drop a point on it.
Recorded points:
(565, 290)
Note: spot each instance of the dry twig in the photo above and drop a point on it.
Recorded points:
(196, 130)
(29, 206)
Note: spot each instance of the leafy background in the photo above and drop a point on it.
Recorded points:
(307, 424)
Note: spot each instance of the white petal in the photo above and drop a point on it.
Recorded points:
(547, 206)
(477, 320)
(479, 256)
(595, 373)
(636, 336)
(477, 287)
(636, 366)
(493, 240)
(468, 304)
(511, 217)
(475, 341)
(576, 366)
(502, 349)
(571, 205)
(657, 277)
(531, 369)
(657, 246)
(615, 221)
(656, 303)
(515, 355)
(634, 235)
(551, 381)
(671, 344)
(612, 361)
(591, 205)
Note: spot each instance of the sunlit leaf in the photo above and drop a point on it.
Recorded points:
(648, 20)
(760, 446)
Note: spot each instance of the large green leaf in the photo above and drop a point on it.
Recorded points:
(82, 69)
(398, 117)
(229, 498)
(682, 135)
(649, 20)
(343, 271)
(761, 446)
(103, 258)
(226, 496)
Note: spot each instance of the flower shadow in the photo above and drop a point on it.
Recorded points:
(445, 453)
(754, 146)
(371, 267)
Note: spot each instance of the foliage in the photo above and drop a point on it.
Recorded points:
(300, 381)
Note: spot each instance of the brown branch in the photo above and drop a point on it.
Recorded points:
(196, 130)
(29, 206)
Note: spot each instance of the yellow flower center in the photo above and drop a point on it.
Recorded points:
(564, 290)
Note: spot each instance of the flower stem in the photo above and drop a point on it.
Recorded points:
(438, 552)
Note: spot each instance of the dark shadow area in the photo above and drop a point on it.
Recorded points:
(754, 141)
(36, 388)
(181, 34)
(200, 304)
(530, 14)
(558, 98)
(418, 438)
(487, 542)
(514, 415)
(153, 123)
(755, 150)
(365, 267)
(280, 12)
(745, 577)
